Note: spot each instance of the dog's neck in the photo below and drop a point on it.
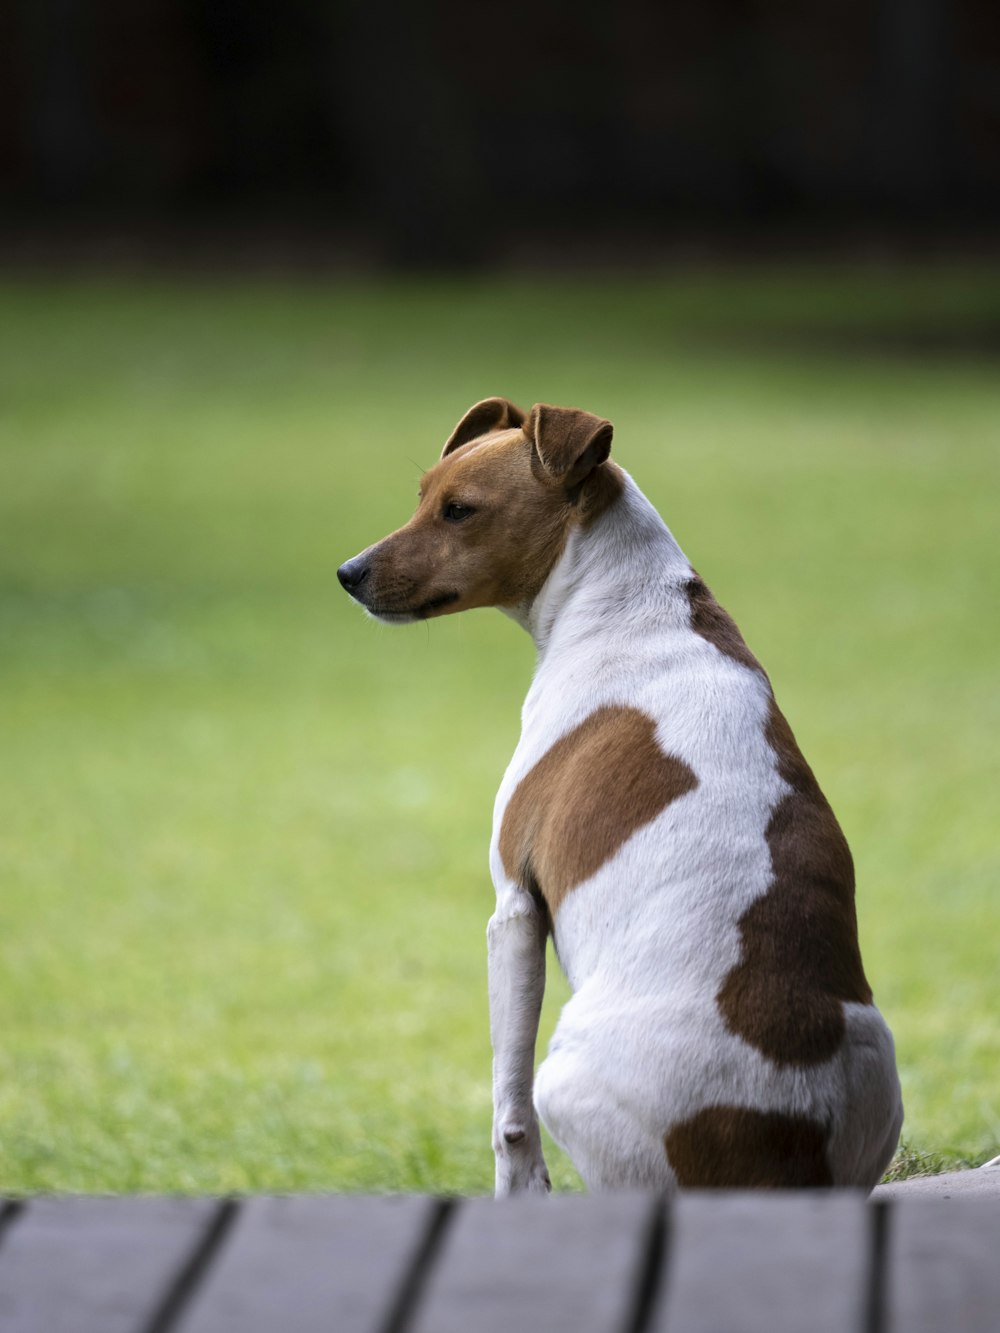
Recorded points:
(611, 580)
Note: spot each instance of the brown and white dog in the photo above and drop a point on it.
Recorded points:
(659, 821)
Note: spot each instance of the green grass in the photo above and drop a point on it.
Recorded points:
(243, 881)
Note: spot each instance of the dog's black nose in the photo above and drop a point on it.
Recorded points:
(352, 573)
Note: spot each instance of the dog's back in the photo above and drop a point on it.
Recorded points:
(700, 891)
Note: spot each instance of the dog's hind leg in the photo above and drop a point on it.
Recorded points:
(606, 1140)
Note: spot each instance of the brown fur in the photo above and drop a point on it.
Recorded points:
(800, 958)
(604, 486)
(569, 442)
(499, 557)
(585, 797)
(734, 1147)
(716, 625)
(524, 512)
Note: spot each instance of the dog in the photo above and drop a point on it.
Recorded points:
(660, 823)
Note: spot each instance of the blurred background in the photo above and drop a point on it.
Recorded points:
(453, 135)
(255, 262)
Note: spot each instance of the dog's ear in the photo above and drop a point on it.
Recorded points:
(490, 414)
(569, 443)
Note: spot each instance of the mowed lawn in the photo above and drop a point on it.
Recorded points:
(243, 832)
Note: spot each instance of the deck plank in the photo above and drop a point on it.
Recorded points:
(563, 1264)
(295, 1265)
(944, 1266)
(743, 1263)
(95, 1265)
(972, 1183)
(764, 1263)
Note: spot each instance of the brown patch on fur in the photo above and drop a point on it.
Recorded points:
(800, 959)
(735, 1147)
(716, 625)
(585, 797)
(599, 492)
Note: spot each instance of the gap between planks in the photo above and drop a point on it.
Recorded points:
(192, 1272)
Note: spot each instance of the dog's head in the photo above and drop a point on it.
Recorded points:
(494, 514)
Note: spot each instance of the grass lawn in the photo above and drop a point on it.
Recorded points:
(243, 879)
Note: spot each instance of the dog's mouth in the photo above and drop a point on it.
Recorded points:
(435, 604)
(393, 615)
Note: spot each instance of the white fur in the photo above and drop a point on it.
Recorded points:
(647, 941)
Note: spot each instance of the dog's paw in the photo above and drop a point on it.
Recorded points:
(531, 1178)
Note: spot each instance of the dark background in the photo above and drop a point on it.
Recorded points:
(453, 134)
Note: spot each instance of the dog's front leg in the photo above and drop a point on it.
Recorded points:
(516, 939)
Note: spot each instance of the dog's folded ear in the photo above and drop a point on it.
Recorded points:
(569, 443)
(491, 414)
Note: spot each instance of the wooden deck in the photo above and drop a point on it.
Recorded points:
(705, 1263)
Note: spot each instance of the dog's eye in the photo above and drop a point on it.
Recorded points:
(455, 512)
